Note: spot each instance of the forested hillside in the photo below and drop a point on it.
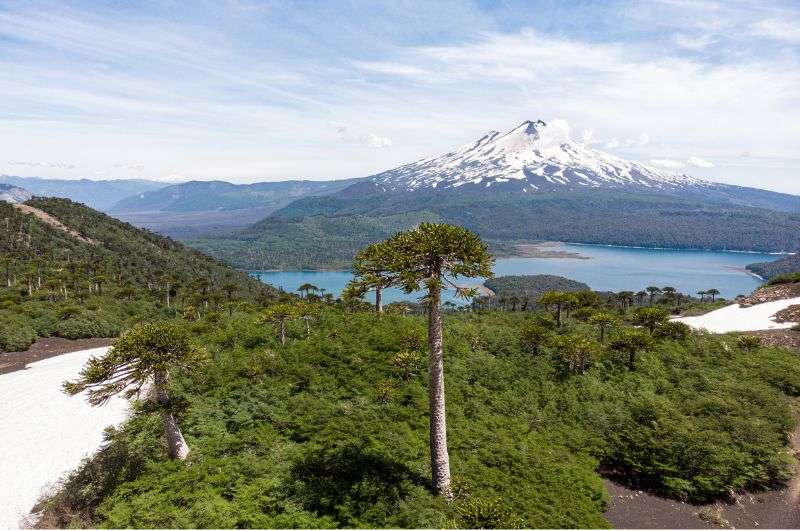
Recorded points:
(770, 269)
(306, 243)
(71, 271)
(292, 236)
(532, 285)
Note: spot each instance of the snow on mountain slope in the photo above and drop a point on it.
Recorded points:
(535, 156)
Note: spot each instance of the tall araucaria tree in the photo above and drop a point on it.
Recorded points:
(429, 257)
(371, 278)
(145, 354)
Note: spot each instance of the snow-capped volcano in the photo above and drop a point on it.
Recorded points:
(533, 156)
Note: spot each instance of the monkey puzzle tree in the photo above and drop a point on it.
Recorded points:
(628, 342)
(372, 279)
(431, 257)
(306, 288)
(558, 300)
(650, 317)
(713, 294)
(279, 314)
(144, 354)
(653, 291)
(603, 320)
(574, 352)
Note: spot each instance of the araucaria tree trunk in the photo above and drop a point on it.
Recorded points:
(176, 444)
(440, 460)
(283, 331)
(378, 300)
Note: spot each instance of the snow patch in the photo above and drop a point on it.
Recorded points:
(735, 318)
(45, 433)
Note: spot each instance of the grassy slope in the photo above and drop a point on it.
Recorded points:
(325, 431)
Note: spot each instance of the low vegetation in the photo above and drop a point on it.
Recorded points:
(332, 429)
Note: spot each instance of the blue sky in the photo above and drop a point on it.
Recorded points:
(245, 90)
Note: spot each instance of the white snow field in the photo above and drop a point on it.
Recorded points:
(44, 433)
(735, 318)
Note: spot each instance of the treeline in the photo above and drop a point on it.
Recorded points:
(95, 275)
(523, 293)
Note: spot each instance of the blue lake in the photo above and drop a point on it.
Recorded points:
(607, 269)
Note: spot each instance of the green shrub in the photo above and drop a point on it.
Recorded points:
(84, 327)
(16, 333)
(748, 342)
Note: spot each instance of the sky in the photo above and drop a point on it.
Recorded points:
(246, 90)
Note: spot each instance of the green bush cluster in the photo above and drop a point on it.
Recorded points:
(16, 333)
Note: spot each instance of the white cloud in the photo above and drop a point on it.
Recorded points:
(696, 161)
(783, 30)
(587, 137)
(354, 135)
(373, 140)
(667, 163)
(133, 167)
(640, 141)
(694, 42)
(53, 165)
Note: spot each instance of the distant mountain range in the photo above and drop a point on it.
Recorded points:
(197, 196)
(200, 208)
(97, 194)
(183, 210)
(529, 183)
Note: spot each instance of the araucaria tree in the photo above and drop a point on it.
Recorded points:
(431, 257)
(279, 314)
(143, 355)
(558, 300)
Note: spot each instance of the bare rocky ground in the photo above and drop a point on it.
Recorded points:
(770, 293)
(790, 314)
(45, 348)
(787, 338)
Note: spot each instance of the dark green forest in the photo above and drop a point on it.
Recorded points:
(307, 243)
(97, 284)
